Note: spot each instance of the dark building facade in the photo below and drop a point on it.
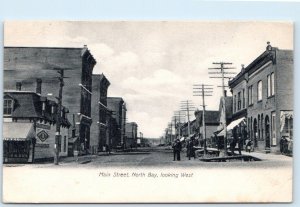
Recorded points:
(25, 64)
(118, 109)
(263, 94)
(100, 114)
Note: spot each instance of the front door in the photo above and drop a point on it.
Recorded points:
(267, 131)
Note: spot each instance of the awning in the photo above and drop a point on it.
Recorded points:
(235, 123)
(285, 115)
(18, 131)
(231, 126)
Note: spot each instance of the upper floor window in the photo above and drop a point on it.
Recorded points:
(250, 99)
(234, 103)
(8, 106)
(239, 101)
(243, 98)
(259, 91)
(271, 86)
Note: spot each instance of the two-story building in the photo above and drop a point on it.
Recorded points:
(29, 127)
(263, 94)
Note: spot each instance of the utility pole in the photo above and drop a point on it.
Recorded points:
(178, 115)
(187, 106)
(58, 114)
(217, 72)
(203, 90)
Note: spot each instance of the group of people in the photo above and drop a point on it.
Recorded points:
(190, 150)
(176, 149)
(286, 145)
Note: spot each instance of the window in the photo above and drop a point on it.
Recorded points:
(65, 143)
(234, 103)
(271, 86)
(8, 106)
(250, 100)
(273, 125)
(259, 91)
(243, 98)
(239, 101)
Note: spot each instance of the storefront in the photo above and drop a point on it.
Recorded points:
(18, 143)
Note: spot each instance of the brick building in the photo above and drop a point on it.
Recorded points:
(29, 126)
(118, 108)
(131, 130)
(100, 114)
(263, 94)
(25, 64)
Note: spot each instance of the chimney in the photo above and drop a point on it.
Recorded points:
(269, 47)
(38, 86)
(225, 93)
(18, 86)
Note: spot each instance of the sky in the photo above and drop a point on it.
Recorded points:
(153, 64)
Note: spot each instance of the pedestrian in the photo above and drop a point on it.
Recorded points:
(188, 148)
(281, 142)
(191, 149)
(174, 150)
(248, 145)
(178, 149)
(240, 144)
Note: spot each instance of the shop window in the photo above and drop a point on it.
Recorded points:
(65, 143)
(8, 106)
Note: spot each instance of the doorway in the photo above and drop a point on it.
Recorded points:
(267, 131)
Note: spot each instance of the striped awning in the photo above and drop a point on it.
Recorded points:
(17, 131)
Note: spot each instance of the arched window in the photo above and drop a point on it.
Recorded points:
(259, 91)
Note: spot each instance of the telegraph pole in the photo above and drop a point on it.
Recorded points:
(217, 72)
(178, 115)
(58, 114)
(187, 106)
(204, 90)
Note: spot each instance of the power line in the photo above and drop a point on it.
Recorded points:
(220, 72)
(203, 91)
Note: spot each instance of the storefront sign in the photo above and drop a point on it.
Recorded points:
(42, 135)
(42, 145)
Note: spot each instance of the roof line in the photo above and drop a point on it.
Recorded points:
(43, 47)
